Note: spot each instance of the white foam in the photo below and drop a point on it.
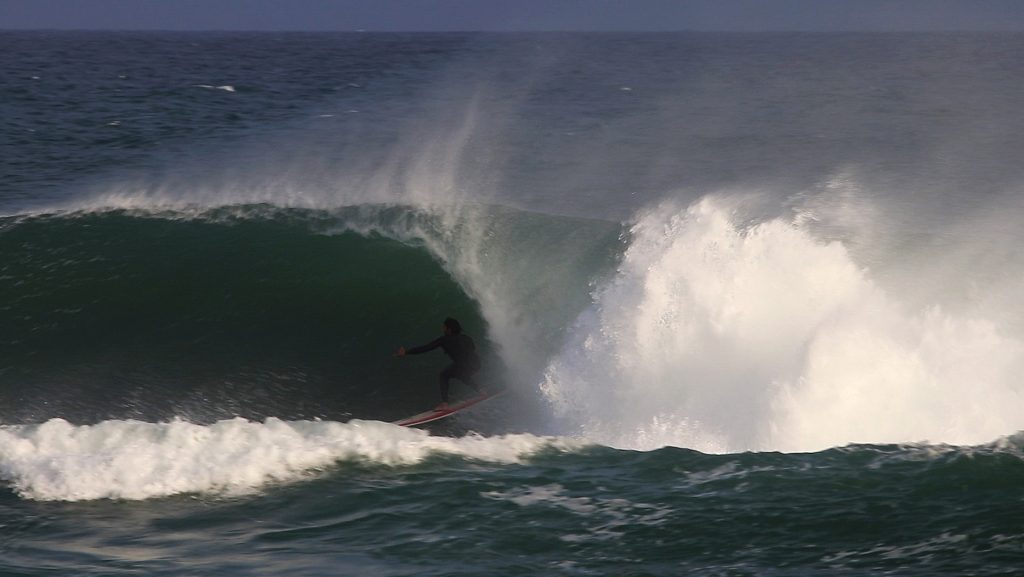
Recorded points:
(225, 87)
(137, 460)
(723, 338)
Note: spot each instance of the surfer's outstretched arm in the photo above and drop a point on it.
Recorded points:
(402, 351)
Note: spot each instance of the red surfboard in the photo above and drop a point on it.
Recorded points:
(434, 414)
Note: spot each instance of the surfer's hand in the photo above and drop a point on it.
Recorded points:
(401, 352)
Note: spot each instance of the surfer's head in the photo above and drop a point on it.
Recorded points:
(452, 327)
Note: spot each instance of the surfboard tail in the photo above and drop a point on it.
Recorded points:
(437, 414)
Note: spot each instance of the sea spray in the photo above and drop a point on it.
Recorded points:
(726, 337)
(431, 187)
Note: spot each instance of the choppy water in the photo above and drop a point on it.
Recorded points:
(754, 298)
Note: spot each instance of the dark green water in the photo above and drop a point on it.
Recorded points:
(105, 308)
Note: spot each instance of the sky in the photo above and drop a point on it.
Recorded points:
(514, 15)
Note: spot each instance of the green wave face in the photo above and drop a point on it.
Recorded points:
(259, 311)
(123, 315)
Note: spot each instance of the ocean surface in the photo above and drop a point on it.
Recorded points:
(754, 298)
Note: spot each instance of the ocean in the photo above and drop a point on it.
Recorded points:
(754, 299)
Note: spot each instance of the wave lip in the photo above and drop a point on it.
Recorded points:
(133, 460)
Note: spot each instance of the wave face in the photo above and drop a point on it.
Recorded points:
(113, 315)
(727, 336)
(256, 311)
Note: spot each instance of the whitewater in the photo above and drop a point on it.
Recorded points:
(136, 460)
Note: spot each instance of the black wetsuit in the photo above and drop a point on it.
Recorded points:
(465, 362)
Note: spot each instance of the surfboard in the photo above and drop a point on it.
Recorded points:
(434, 414)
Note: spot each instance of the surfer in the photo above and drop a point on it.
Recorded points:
(461, 349)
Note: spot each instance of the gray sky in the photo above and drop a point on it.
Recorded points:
(439, 15)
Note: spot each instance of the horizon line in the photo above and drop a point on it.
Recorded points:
(533, 31)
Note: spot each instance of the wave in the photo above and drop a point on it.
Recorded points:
(135, 460)
(706, 326)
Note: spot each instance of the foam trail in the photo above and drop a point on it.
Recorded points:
(136, 460)
(723, 339)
